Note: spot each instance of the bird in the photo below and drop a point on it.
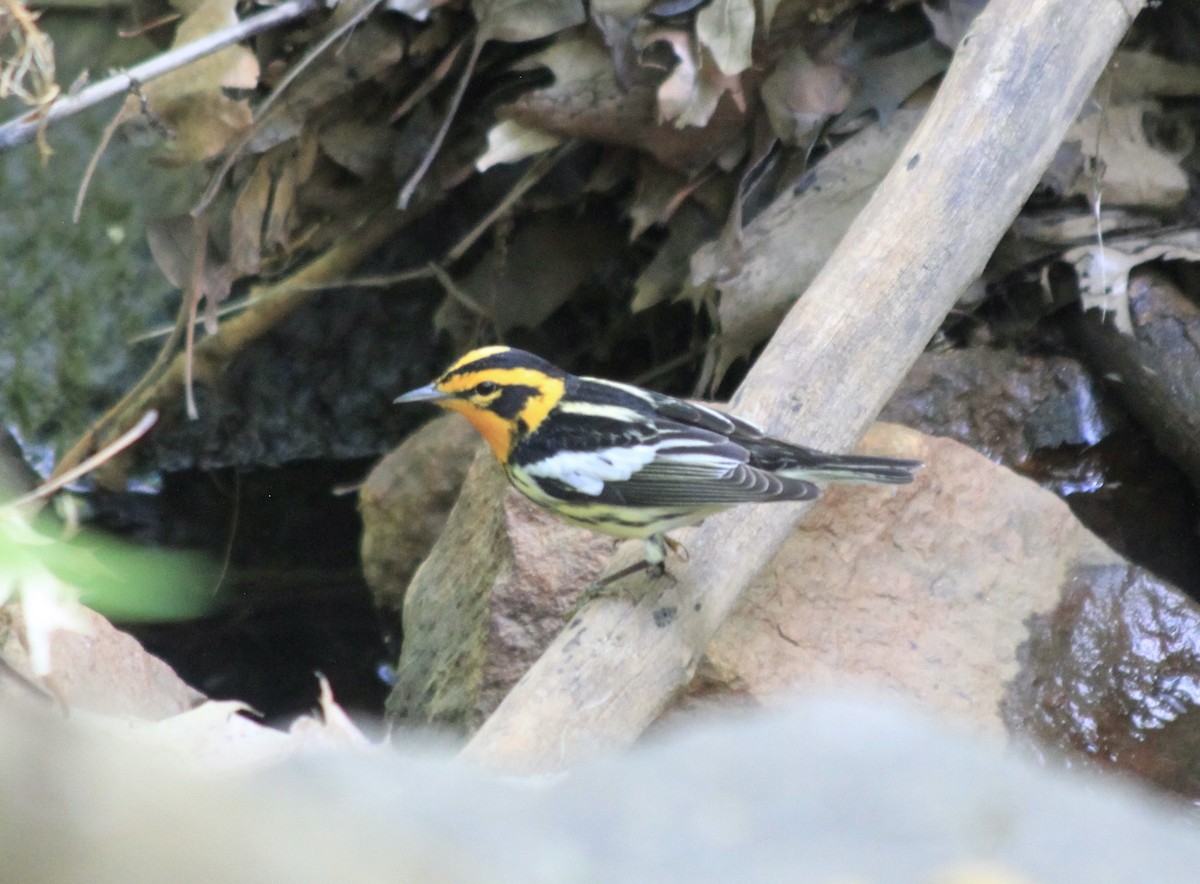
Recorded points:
(625, 461)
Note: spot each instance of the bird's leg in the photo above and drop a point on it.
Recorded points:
(654, 561)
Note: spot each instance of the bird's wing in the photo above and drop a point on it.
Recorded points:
(679, 411)
(674, 465)
(692, 414)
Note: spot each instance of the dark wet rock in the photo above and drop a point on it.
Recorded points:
(1111, 678)
(76, 295)
(1001, 403)
(1133, 496)
(1156, 371)
(319, 385)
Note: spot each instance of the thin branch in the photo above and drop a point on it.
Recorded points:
(25, 127)
(365, 282)
(415, 179)
(105, 454)
(457, 293)
(536, 172)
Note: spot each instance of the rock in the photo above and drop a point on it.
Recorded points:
(822, 790)
(926, 591)
(1048, 418)
(1002, 403)
(406, 500)
(1156, 369)
(1111, 678)
(494, 591)
(102, 670)
(922, 590)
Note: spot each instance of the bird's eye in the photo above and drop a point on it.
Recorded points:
(486, 388)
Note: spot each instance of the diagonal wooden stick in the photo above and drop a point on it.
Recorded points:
(1017, 81)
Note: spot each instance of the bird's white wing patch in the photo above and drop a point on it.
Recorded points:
(587, 471)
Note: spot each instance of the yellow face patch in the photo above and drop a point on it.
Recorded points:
(498, 430)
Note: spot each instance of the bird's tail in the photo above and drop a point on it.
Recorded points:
(855, 468)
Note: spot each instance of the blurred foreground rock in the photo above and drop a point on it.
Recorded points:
(102, 679)
(824, 790)
(97, 669)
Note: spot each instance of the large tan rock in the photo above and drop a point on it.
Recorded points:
(922, 590)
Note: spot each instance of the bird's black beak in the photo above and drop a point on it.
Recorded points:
(428, 393)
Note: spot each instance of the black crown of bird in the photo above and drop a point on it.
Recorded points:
(625, 461)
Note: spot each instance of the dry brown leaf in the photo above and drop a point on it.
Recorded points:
(655, 197)
(800, 96)
(246, 221)
(665, 275)
(787, 244)
(515, 21)
(1137, 75)
(585, 101)
(1134, 171)
(621, 9)
(726, 29)
(951, 18)
(191, 101)
(1103, 271)
(173, 247)
(521, 282)
(283, 209)
(417, 9)
(363, 148)
(689, 96)
(508, 141)
(887, 81)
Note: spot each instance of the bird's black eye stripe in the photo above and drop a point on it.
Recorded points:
(486, 388)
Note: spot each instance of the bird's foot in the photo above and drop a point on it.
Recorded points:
(676, 547)
(654, 563)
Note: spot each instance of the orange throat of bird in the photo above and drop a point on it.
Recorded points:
(495, 430)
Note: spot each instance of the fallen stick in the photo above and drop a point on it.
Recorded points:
(1017, 81)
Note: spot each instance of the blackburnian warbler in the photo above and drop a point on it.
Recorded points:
(626, 461)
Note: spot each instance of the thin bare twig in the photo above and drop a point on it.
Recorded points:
(410, 186)
(453, 290)
(194, 292)
(536, 171)
(25, 127)
(103, 455)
